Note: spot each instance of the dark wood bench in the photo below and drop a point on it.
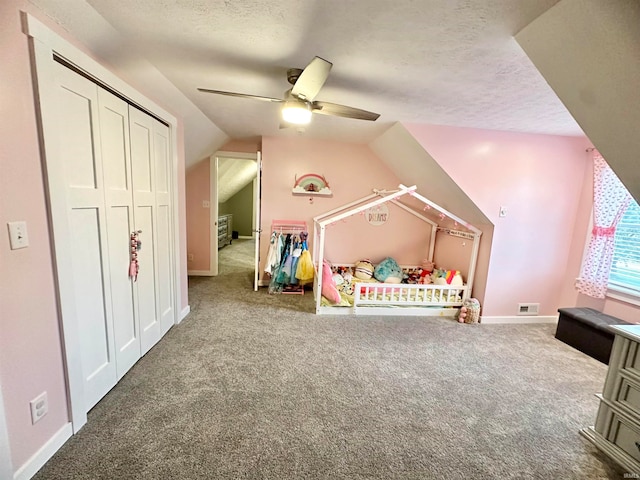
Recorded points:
(587, 330)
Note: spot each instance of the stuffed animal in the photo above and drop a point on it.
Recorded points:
(329, 290)
(388, 271)
(364, 269)
(425, 272)
(447, 277)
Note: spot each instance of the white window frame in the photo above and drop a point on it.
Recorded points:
(619, 292)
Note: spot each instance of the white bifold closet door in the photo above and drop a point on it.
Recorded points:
(116, 171)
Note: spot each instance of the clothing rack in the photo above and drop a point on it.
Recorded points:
(289, 226)
(292, 227)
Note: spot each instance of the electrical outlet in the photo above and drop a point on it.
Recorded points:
(205, 204)
(18, 235)
(190, 257)
(39, 407)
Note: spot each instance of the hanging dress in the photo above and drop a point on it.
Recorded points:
(272, 261)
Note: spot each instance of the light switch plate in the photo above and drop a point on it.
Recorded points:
(18, 235)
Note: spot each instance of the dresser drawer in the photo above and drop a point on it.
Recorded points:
(626, 436)
(629, 395)
(631, 362)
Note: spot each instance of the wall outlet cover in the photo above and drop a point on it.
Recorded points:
(39, 407)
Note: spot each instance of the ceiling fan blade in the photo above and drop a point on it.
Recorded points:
(242, 95)
(312, 79)
(326, 108)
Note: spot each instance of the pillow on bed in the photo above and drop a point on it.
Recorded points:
(388, 271)
(329, 290)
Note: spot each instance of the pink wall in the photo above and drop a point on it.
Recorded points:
(352, 171)
(570, 297)
(30, 342)
(198, 217)
(538, 178)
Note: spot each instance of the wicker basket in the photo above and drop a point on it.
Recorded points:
(473, 310)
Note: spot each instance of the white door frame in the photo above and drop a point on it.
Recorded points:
(213, 215)
(257, 230)
(213, 195)
(6, 468)
(45, 43)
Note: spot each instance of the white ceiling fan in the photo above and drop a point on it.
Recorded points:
(298, 102)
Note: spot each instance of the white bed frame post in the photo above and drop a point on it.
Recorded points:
(472, 265)
(319, 263)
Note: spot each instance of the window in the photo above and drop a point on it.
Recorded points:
(625, 268)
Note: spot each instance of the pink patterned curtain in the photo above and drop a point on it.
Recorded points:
(610, 199)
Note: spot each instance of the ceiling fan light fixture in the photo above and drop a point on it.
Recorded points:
(298, 113)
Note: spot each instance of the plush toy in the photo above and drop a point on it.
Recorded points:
(329, 290)
(462, 315)
(388, 271)
(447, 277)
(363, 270)
(425, 272)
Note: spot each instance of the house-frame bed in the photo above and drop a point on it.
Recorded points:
(392, 298)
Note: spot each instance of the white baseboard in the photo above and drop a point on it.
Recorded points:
(42, 456)
(200, 273)
(185, 311)
(245, 237)
(520, 319)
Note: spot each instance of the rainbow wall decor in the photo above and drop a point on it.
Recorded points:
(312, 184)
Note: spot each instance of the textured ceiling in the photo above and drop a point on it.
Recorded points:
(448, 62)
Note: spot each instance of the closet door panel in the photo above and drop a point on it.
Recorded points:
(81, 165)
(124, 322)
(114, 133)
(150, 331)
(164, 231)
(90, 301)
(77, 147)
(165, 272)
(141, 135)
(145, 215)
(114, 127)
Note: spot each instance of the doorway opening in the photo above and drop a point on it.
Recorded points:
(235, 211)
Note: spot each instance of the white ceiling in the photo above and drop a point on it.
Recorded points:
(448, 62)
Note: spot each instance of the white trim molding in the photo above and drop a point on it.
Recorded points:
(42, 456)
(519, 319)
(6, 467)
(185, 311)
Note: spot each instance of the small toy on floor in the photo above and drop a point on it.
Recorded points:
(470, 311)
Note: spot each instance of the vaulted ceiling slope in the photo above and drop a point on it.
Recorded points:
(233, 175)
(448, 62)
(588, 52)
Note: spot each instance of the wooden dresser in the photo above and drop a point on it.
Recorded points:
(225, 224)
(617, 428)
